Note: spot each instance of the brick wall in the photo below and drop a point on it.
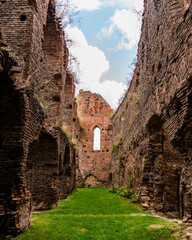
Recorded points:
(156, 146)
(33, 71)
(93, 112)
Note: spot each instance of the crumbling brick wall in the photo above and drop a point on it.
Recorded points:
(157, 145)
(21, 119)
(70, 115)
(33, 71)
(93, 112)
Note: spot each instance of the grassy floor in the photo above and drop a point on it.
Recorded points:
(96, 214)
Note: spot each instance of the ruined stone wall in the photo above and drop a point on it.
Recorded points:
(33, 31)
(35, 171)
(94, 112)
(156, 148)
(69, 118)
(21, 119)
(123, 119)
(21, 25)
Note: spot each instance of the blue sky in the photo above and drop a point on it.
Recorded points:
(105, 44)
(91, 25)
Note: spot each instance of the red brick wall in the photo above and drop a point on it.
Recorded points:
(156, 137)
(33, 93)
(94, 111)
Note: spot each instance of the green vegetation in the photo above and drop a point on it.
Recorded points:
(43, 103)
(115, 146)
(126, 192)
(96, 214)
(80, 121)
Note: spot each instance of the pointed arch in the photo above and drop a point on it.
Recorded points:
(96, 138)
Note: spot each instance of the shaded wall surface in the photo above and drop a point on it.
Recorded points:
(35, 170)
(153, 123)
(94, 112)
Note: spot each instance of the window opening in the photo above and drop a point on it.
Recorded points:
(97, 139)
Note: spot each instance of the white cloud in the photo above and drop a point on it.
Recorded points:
(128, 23)
(93, 64)
(130, 4)
(111, 91)
(88, 5)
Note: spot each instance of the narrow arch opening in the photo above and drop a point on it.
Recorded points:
(97, 139)
(67, 155)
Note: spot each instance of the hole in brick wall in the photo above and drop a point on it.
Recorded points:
(1, 141)
(154, 124)
(107, 150)
(56, 98)
(58, 76)
(110, 127)
(153, 68)
(23, 17)
(67, 155)
(60, 165)
(15, 153)
(162, 50)
(158, 28)
(190, 81)
(0, 35)
(74, 119)
(68, 172)
(33, 3)
(137, 82)
(29, 165)
(70, 106)
(51, 165)
(178, 104)
(74, 158)
(159, 67)
(157, 4)
(110, 176)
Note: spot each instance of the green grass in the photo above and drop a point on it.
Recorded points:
(96, 214)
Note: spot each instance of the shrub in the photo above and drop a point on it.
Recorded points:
(126, 192)
(112, 189)
(135, 198)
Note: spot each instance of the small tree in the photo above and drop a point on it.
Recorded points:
(67, 11)
(130, 73)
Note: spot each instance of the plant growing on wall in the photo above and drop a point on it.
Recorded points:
(115, 146)
(67, 11)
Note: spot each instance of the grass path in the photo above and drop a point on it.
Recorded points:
(96, 214)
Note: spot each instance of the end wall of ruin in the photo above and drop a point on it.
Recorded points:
(94, 165)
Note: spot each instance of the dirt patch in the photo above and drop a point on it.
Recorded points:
(156, 226)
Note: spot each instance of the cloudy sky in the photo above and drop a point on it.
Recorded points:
(105, 44)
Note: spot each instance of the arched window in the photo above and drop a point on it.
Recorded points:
(97, 139)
